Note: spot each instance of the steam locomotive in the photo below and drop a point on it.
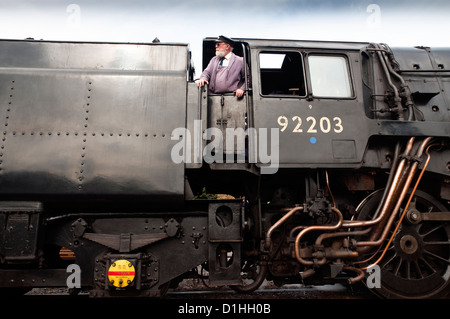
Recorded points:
(118, 175)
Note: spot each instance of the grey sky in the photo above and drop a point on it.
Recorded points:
(398, 23)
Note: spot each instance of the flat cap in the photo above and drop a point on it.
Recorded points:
(222, 38)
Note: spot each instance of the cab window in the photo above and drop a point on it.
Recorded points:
(329, 76)
(282, 74)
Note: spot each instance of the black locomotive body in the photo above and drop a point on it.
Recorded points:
(116, 168)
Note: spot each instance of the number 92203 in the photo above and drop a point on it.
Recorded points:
(311, 125)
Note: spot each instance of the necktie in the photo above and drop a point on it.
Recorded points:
(221, 61)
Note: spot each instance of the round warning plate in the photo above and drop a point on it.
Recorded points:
(121, 273)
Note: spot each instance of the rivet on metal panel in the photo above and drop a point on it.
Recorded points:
(81, 176)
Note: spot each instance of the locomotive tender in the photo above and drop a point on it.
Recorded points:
(335, 161)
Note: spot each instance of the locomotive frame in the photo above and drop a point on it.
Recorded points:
(360, 178)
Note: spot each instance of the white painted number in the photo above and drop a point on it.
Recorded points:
(283, 121)
(325, 124)
(338, 128)
(297, 128)
(313, 124)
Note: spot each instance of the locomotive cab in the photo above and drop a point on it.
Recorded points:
(225, 111)
(311, 92)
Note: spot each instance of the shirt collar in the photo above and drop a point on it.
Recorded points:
(228, 56)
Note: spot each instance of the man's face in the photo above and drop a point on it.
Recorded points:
(221, 49)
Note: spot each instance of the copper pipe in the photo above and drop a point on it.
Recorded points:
(341, 234)
(387, 227)
(268, 241)
(359, 277)
(256, 283)
(407, 204)
(296, 228)
(389, 199)
(331, 253)
(329, 188)
(367, 260)
(336, 253)
(313, 228)
(404, 191)
(391, 207)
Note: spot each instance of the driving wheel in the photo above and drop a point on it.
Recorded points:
(417, 262)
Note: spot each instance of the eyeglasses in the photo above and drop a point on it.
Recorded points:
(218, 44)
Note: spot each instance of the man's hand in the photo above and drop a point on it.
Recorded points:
(202, 82)
(239, 93)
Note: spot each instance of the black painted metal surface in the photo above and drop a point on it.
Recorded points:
(91, 119)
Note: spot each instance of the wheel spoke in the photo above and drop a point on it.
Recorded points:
(408, 269)
(431, 230)
(387, 261)
(427, 252)
(431, 243)
(397, 267)
(427, 264)
(418, 270)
